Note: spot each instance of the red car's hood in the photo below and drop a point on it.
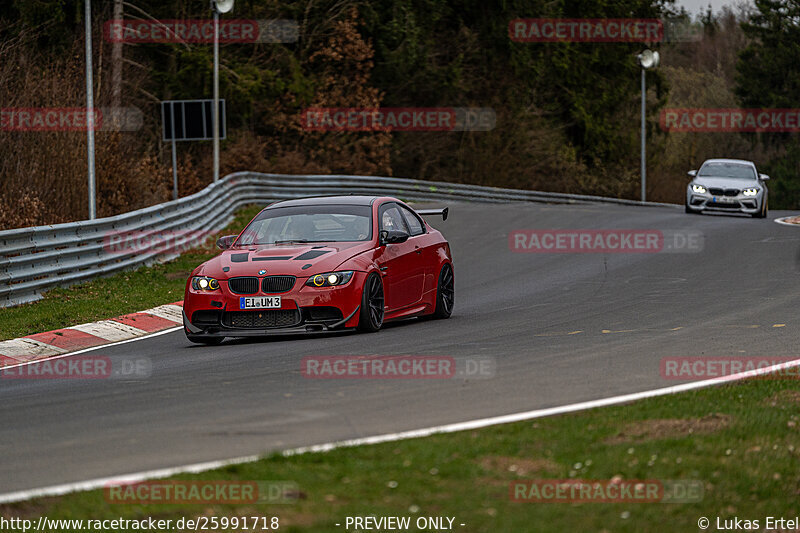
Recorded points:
(288, 259)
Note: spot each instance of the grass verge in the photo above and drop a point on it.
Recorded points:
(738, 440)
(119, 294)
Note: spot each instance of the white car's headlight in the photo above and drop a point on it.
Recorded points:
(698, 188)
(750, 192)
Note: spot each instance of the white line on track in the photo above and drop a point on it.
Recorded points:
(92, 484)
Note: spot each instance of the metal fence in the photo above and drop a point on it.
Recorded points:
(38, 258)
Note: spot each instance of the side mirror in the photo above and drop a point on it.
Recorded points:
(692, 173)
(763, 177)
(393, 237)
(223, 243)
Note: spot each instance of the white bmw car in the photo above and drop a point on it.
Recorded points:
(728, 185)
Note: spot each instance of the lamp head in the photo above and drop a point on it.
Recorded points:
(222, 6)
(649, 59)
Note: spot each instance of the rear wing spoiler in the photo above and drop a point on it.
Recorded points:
(434, 212)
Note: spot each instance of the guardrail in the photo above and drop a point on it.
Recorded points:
(41, 257)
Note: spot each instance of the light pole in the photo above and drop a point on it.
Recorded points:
(217, 6)
(90, 108)
(647, 60)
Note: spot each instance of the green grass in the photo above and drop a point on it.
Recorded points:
(742, 449)
(125, 292)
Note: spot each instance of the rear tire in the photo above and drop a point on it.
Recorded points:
(445, 293)
(208, 341)
(372, 304)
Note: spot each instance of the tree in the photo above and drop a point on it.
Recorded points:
(768, 73)
(116, 62)
(768, 76)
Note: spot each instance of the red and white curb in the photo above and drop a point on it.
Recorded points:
(74, 338)
(793, 220)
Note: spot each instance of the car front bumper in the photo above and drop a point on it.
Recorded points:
(225, 331)
(729, 204)
(303, 310)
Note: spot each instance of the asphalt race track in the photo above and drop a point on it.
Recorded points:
(561, 328)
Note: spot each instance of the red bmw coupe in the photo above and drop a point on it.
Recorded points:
(322, 264)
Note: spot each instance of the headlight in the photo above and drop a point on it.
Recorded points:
(750, 192)
(331, 279)
(202, 283)
(698, 188)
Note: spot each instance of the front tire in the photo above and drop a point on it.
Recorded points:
(372, 304)
(445, 293)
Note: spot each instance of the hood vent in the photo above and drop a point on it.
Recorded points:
(311, 254)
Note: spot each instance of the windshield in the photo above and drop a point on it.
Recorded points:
(727, 170)
(317, 223)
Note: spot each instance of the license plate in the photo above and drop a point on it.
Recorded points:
(260, 302)
(723, 200)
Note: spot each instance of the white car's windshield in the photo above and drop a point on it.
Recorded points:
(319, 223)
(727, 170)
